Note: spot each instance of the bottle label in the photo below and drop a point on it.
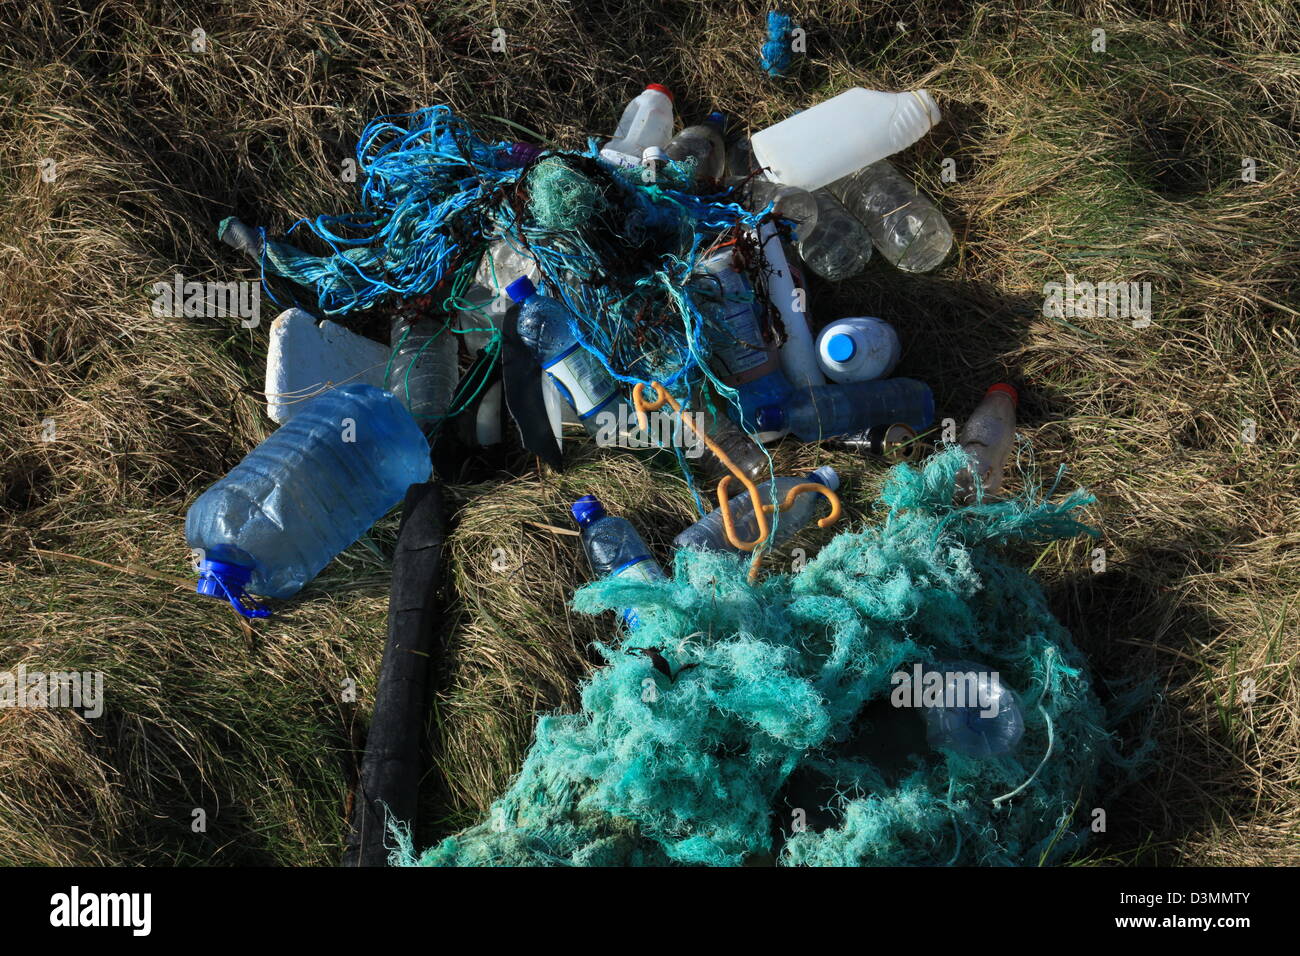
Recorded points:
(739, 350)
(582, 380)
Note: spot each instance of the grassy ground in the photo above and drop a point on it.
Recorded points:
(1123, 165)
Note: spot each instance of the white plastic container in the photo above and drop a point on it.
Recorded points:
(798, 354)
(304, 359)
(841, 135)
(647, 121)
(858, 349)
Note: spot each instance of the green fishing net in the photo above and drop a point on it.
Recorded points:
(561, 197)
(761, 730)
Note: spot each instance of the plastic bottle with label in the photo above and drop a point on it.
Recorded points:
(741, 356)
(646, 121)
(858, 349)
(544, 327)
(614, 548)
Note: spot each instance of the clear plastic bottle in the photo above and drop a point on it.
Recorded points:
(646, 121)
(789, 202)
(831, 410)
(709, 533)
(312, 488)
(703, 143)
(858, 349)
(839, 246)
(613, 547)
(582, 380)
(987, 438)
(985, 719)
(422, 370)
(907, 228)
(745, 453)
(841, 135)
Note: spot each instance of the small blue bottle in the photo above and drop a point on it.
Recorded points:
(980, 716)
(829, 410)
(311, 489)
(614, 548)
(581, 379)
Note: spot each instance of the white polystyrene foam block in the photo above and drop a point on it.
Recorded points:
(304, 359)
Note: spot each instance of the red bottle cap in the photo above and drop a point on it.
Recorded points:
(660, 88)
(1004, 387)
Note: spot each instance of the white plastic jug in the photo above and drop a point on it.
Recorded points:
(841, 135)
(646, 121)
(858, 349)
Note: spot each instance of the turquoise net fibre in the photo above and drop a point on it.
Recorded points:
(782, 682)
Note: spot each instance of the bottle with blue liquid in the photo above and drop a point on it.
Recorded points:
(979, 717)
(614, 548)
(310, 490)
(830, 410)
(582, 380)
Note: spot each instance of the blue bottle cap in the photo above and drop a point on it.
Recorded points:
(717, 119)
(841, 348)
(770, 418)
(521, 289)
(586, 510)
(225, 579)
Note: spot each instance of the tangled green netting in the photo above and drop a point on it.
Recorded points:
(699, 770)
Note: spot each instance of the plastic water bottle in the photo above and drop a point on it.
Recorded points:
(646, 121)
(741, 357)
(745, 453)
(306, 493)
(838, 246)
(789, 202)
(709, 533)
(858, 349)
(987, 438)
(582, 380)
(614, 548)
(830, 410)
(422, 370)
(907, 228)
(979, 717)
(841, 135)
(704, 144)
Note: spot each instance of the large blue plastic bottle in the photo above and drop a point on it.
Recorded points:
(613, 547)
(829, 410)
(304, 494)
(581, 379)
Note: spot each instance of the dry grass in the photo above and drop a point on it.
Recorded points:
(1122, 166)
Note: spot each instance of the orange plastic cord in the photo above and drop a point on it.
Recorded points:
(724, 502)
